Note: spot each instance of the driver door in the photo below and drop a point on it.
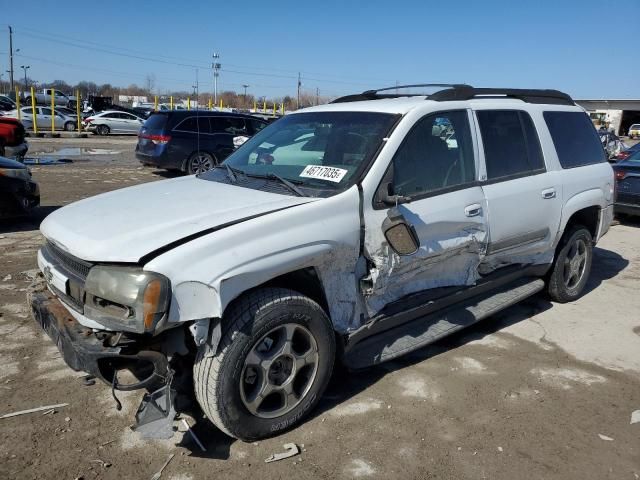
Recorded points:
(433, 179)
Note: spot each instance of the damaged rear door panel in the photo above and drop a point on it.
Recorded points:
(433, 179)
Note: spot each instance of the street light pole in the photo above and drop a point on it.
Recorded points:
(25, 68)
(245, 86)
(216, 69)
(11, 57)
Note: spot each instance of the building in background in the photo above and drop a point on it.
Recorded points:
(616, 115)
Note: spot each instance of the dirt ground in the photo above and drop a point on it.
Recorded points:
(540, 391)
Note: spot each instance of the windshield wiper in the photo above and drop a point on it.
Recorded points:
(230, 174)
(287, 183)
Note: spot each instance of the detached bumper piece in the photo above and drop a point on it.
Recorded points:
(100, 354)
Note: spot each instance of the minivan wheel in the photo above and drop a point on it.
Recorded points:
(200, 162)
(102, 130)
(274, 361)
(69, 126)
(572, 265)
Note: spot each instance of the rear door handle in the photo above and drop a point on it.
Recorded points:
(549, 193)
(473, 210)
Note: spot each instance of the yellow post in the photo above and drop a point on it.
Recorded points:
(155, 103)
(282, 108)
(33, 110)
(188, 103)
(220, 103)
(78, 111)
(18, 104)
(255, 106)
(264, 106)
(274, 109)
(53, 112)
(171, 102)
(210, 104)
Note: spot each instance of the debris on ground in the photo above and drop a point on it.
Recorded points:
(605, 438)
(291, 450)
(7, 278)
(158, 474)
(635, 417)
(193, 435)
(33, 410)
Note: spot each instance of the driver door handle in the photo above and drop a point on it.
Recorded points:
(473, 210)
(549, 193)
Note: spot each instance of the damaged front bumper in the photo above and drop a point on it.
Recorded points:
(98, 353)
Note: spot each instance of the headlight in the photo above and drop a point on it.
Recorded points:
(21, 173)
(126, 298)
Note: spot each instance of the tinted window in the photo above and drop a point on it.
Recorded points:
(45, 111)
(511, 145)
(231, 125)
(257, 125)
(575, 139)
(437, 153)
(111, 115)
(156, 122)
(195, 125)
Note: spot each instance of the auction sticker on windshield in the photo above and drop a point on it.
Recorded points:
(332, 174)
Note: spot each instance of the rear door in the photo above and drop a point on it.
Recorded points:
(436, 172)
(524, 199)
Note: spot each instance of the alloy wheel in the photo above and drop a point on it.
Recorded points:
(575, 263)
(201, 163)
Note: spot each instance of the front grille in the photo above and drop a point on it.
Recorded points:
(73, 265)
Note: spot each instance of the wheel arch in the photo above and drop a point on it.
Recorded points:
(585, 209)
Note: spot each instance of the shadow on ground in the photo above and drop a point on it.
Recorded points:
(26, 224)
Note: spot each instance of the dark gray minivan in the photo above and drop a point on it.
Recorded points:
(193, 141)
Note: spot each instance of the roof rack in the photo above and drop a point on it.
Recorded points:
(375, 95)
(554, 97)
(452, 92)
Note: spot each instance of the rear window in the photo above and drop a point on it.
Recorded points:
(635, 126)
(156, 121)
(576, 141)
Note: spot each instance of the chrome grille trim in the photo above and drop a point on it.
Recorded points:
(72, 264)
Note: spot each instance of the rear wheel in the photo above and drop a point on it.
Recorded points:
(572, 265)
(69, 126)
(102, 130)
(200, 162)
(273, 363)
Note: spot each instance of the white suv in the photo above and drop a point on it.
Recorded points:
(356, 231)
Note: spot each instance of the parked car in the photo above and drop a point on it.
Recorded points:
(43, 118)
(612, 144)
(627, 152)
(192, 141)
(113, 121)
(12, 138)
(627, 174)
(43, 97)
(634, 131)
(19, 194)
(347, 232)
(6, 104)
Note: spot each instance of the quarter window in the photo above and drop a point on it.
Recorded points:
(575, 139)
(436, 154)
(511, 145)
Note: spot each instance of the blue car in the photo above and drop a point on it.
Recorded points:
(627, 173)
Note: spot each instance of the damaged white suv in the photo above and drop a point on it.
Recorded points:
(356, 231)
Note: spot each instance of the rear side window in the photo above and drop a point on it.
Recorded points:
(575, 139)
(511, 145)
(231, 125)
(194, 124)
(156, 122)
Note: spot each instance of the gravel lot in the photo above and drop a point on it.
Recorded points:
(539, 391)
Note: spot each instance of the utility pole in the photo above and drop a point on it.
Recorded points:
(245, 86)
(317, 95)
(216, 72)
(25, 68)
(11, 58)
(299, 85)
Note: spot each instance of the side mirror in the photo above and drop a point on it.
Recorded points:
(399, 233)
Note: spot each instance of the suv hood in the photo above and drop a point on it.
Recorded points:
(125, 225)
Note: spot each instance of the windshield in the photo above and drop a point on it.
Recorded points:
(325, 150)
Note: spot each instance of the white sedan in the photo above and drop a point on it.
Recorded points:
(43, 118)
(113, 121)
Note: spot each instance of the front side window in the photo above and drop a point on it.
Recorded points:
(46, 111)
(574, 138)
(324, 150)
(436, 154)
(511, 145)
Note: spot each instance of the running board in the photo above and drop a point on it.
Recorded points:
(418, 333)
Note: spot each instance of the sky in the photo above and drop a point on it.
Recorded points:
(582, 47)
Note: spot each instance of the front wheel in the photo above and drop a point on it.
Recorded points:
(572, 265)
(102, 130)
(273, 364)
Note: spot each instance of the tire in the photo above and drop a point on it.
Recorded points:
(69, 126)
(255, 326)
(200, 162)
(103, 130)
(572, 265)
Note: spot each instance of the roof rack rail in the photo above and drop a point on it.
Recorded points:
(375, 95)
(554, 97)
